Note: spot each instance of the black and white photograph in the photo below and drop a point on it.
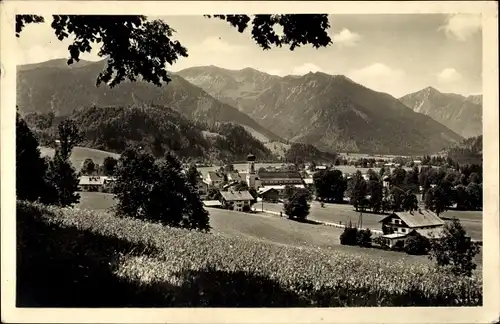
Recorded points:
(250, 158)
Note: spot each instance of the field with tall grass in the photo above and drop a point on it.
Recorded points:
(80, 258)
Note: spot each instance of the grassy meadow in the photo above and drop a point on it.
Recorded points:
(79, 154)
(99, 260)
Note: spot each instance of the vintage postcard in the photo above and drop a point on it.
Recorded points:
(249, 162)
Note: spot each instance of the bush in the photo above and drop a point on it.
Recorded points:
(398, 246)
(349, 236)
(417, 244)
(98, 260)
(380, 242)
(364, 237)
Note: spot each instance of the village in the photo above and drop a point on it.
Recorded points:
(264, 190)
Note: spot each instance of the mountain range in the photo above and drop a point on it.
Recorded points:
(460, 114)
(53, 86)
(330, 112)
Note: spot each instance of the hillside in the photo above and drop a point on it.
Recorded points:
(468, 151)
(158, 129)
(460, 114)
(330, 112)
(54, 86)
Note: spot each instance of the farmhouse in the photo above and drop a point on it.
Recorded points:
(269, 194)
(95, 183)
(237, 200)
(214, 179)
(400, 225)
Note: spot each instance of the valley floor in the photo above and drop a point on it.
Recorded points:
(272, 228)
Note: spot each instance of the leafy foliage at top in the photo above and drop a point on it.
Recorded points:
(136, 47)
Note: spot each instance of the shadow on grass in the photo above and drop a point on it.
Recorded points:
(66, 267)
(305, 221)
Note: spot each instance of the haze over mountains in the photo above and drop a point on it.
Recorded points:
(461, 114)
(331, 112)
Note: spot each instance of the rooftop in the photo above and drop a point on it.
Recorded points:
(214, 176)
(236, 195)
(419, 218)
(280, 175)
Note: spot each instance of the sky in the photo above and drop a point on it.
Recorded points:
(397, 54)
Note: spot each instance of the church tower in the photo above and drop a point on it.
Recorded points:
(251, 170)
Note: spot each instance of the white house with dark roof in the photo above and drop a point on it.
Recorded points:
(237, 200)
(214, 179)
(402, 224)
(95, 183)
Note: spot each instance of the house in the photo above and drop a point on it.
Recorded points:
(309, 182)
(400, 225)
(234, 176)
(269, 194)
(95, 183)
(214, 179)
(202, 187)
(236, 200)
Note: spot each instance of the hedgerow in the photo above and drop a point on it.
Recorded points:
(130, 262)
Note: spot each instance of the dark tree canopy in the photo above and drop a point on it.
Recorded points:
(138, 48)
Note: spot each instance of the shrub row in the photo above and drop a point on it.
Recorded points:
(83, 258)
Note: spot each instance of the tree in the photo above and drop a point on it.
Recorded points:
(330, 185)
(138, 48)
(30, 166)
(297, 206)
(241, 186)
(455, 250)
(410, 201)
(474, 193)
(349, 236)
(88, 167)
(436, 200)
(193, 175)
(63, 182)
(358, 190)
(214, 194)
(417, 244)
(109, 166)
(375, 190)
(396, 199)
(69, 136)
(157, 191)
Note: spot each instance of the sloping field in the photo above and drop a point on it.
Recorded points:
(79, 155)
(101, 260)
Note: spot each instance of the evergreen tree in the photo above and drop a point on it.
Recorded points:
(375, 190)
(30, 166)
(63, 181)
